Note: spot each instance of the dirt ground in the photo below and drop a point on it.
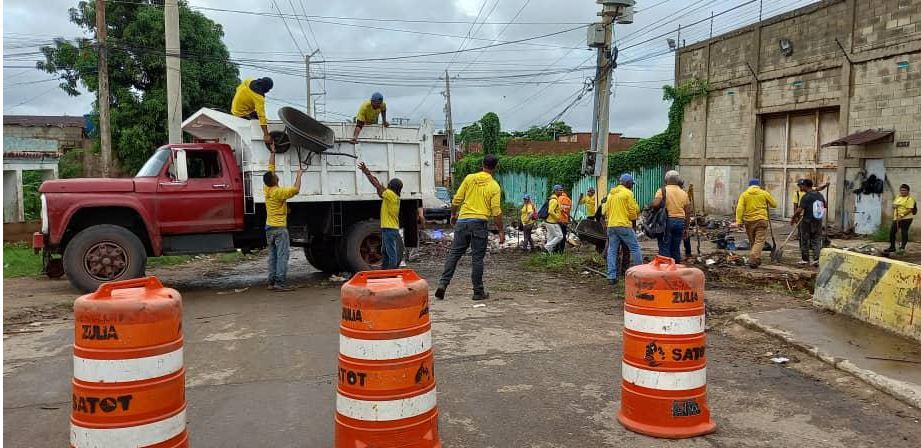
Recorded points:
(538, 366)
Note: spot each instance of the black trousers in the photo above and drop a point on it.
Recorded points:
(896, 225)
(560, 247)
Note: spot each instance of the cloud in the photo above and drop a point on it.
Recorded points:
(412, 87)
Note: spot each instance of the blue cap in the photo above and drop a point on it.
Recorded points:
(557, 187)
(527, 197)
(754, 181)
(626, 177)
(376, 96)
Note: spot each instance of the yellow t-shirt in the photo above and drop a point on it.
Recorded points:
(903, 206)
(676, 200)
(621, 207)
(246, 101)
(390, 210)
(554, 210)
(753, 205)
(368, 114)
(527, 213)
(478, 197)
(591, 204)
(276, 208)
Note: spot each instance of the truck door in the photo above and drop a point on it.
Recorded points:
(202, 204)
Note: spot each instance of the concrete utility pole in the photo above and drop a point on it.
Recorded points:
(310, 106)
(449, 124)
(105, 133)
(173, 71)
(611, 11)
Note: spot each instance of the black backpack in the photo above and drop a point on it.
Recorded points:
(544, 211)
(654, 221)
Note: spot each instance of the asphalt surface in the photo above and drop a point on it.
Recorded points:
(538, 366)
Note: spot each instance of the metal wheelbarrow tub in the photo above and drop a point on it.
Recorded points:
(305, 132)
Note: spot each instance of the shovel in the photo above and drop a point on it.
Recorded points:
(777, 254)
(771, 229)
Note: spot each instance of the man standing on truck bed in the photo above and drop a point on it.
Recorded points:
(390, 217)
(368, 113)
(276, 224)
(249, 103)
(477, 199)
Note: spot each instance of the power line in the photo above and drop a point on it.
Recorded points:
(296, 45)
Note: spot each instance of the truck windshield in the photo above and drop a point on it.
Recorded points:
(154, 164)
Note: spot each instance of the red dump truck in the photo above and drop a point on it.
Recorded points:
(207, 197)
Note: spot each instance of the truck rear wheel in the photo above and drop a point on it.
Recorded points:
(321, 255)
(103, 253)
(360, 249)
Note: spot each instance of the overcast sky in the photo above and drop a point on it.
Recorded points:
(526, 84)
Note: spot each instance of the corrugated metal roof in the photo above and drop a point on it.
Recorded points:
(864, 138)
(64, 121)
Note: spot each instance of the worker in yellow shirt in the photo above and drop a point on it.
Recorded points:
(553, 221)
(590, 201)
(528, 218)
(752, 212)
(904, 207)
(249, 103)
(678, 206)
(368, 113)
(566, 209)
(622, 211)
(276, 224)
(477, 200)
(390, 217)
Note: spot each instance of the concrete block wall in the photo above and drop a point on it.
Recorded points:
(728, 58)
(728, 123)
(812, 34)
(878, 23)
(818, 86)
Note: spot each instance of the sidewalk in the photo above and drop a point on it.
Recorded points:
(882, 359)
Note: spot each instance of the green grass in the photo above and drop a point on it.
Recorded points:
(167, 260)
(555, 262)
(20, 261)
(882, 234)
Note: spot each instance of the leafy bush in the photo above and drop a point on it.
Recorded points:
(70, 165)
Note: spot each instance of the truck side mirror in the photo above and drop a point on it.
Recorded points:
(180, 165)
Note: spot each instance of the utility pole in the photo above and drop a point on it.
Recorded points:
(449, 124)
(173, 71)
(310, 106)
(105, 133)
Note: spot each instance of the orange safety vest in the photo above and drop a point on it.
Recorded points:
(566, 206)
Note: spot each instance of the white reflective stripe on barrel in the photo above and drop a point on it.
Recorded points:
(128, 437)
(652, 379)
(376, 350)
(124, 370)
(389, 410)
(664, 324)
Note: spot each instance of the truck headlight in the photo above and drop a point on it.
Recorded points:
(44, 214)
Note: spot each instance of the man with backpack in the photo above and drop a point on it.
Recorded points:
(551, 219)
(565, 209)
(811, 208)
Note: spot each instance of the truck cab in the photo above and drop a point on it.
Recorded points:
(207, 197)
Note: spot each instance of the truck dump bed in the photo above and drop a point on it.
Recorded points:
(405, 152)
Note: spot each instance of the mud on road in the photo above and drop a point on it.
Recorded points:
(538, 366)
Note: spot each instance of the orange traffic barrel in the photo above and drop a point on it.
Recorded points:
(129, 379)
(664, 375)
(386, 391)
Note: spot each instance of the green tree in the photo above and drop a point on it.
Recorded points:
(137, 70)
(490, 125)
(544, 133)
(471, 133)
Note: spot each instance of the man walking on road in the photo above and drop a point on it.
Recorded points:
(812, 210)
(390, 217)
(368, 113)
(622, 211)
(752, 211)
(552, 223)
(678, 205)
(477, 200)
(276, 224)
(249, 102)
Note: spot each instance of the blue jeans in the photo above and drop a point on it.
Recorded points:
(279, 245)
(617, 235)
(670, 242)
(472, 234)
(390, 248)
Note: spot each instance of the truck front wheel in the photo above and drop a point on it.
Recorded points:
(360, 249)
(103, 253)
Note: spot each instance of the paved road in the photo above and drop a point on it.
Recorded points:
(537, 367)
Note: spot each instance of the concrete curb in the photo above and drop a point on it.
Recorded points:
(907, 393)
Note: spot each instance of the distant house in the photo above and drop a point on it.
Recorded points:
(69, 131)
(568, 144)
